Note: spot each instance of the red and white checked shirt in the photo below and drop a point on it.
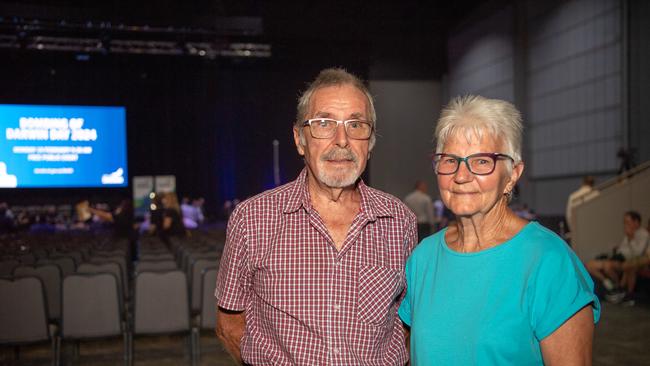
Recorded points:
(307, 303)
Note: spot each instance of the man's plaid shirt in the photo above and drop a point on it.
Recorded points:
(307, 303)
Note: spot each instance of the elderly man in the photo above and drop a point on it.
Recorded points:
(313, 271)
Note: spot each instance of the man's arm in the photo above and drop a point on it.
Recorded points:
(571, 343)
(230, 329)
(407, 337)
(233, 287)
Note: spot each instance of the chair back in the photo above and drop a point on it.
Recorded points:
(157, 256)
(208, 301)
(161, 303)
(50, 276)
(197, 268)
(110, 253)
(67, 264)
(27, 258)
(155, 266)
(7, 267)
(91, 306)
(106, 267)
(119, 259)
(23, 311)
(76, 255)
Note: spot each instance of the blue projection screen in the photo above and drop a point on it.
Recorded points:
(47, 146)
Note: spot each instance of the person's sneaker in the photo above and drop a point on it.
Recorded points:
(628, 300)
(615, 297)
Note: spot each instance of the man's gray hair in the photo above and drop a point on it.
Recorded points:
(474, 115)
(333, 77)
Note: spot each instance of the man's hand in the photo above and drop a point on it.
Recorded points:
(230, 329)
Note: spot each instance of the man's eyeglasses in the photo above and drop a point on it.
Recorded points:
(325, 128)
(479, 164)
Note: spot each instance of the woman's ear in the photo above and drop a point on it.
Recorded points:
(515, 174)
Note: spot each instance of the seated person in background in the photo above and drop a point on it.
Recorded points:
(192, 212)
(620, 268)
(122, 218)
(6, 219)
(123, 223)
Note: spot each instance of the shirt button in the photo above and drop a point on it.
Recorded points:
(336, 351)
(336, 307)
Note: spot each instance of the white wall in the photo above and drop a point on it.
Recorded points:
(573, 94)
(560, 63)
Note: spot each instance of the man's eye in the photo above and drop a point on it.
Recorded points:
(323, 123)
(448, 161)
(354, 124)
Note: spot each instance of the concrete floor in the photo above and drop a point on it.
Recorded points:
(622, 338)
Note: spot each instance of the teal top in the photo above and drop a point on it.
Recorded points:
(492, 307)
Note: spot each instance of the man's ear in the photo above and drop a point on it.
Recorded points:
(296, 140)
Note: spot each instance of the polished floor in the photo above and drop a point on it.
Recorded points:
(622, 338)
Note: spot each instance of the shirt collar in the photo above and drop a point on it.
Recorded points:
(372, 206)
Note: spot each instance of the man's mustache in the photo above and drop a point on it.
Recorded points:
(339, 154)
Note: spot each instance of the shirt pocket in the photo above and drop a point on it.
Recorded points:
(378, 290)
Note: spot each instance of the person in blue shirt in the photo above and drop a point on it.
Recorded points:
(492, 288)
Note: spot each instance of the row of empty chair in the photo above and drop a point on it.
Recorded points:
(170, 292)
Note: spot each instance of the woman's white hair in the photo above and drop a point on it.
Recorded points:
(475, 116)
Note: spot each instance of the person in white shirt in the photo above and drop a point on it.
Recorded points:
(584, 193)
(420, 203)
(192, 212)
(632, 254)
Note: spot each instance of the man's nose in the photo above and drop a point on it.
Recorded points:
(341, 136)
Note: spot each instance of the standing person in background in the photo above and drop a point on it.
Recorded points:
(420, 203)
(493, 288)
(313, 271)
(583, 194)
(172, 220)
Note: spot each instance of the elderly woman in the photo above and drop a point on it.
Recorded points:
(492, 288)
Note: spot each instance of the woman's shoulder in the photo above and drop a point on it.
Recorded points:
(429, 245)
(542, 241)
(541, 235)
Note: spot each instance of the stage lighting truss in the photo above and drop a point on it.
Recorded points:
(105, 38)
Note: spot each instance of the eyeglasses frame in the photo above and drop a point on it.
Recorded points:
(339, 122)
(494, 156)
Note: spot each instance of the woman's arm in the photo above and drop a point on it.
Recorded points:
(571, 343)
(104, 215)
